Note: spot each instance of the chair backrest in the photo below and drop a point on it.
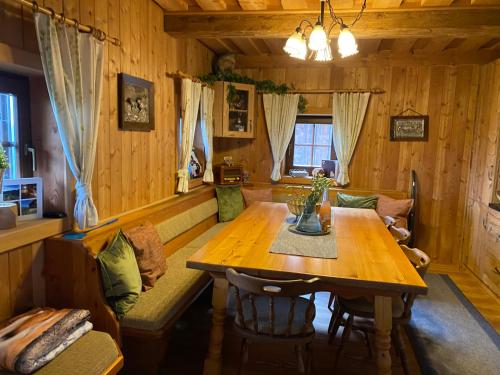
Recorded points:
(418, 258)
(421, 262)
(247, 288)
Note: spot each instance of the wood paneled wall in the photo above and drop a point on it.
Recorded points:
(132, 169)
(482, 230)
(21, 282)
(447, 94)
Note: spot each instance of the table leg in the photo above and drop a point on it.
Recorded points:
(383, 327)
(213, 361)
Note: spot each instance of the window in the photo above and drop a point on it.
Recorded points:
(15, 131)
(311, 142)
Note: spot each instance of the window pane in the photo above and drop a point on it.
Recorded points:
(323, 134)
(304, 134)
(320, 153)
(9, 132)
(302, 156)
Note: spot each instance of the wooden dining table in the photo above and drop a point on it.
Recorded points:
(369, 262)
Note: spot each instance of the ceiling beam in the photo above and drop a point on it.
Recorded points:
(172, 4)
(212, 4)
(436, 3)
(387, 3)
(400, 24)
(294, 4)
(253, 4)
(381, 58)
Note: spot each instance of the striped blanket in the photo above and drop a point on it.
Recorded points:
(31, 340)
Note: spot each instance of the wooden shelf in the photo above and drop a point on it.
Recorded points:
(30, 231)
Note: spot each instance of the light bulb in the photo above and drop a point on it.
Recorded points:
(324, 54)
(296, 45)
(318, 39)
(347, 43)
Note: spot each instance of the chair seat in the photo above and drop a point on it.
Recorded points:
(92, 354)
(281, 309)
(361, 306)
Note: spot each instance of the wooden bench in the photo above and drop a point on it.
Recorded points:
(73, 279)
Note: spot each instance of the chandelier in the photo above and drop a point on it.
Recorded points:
(319, 39)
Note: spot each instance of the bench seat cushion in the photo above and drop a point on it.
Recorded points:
(158, 305)
(92, 354)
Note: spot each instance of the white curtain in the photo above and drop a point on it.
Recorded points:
(72, 64)
(281, 112)
(191, 92)
(207, 130)
(348, 114)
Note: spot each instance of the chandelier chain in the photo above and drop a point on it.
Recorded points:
(339, 20)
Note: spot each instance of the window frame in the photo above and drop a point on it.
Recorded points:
(307, 119)
(19, 86)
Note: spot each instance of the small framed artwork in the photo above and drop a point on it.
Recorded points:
(409, 128)
(135, 103)
(27, 194)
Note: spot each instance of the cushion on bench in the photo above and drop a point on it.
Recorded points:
(184, 221)
(92, 354)
(159, 304)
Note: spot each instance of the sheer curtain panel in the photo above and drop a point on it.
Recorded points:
(73, 68)
(207, 130)
(280, 112)
(348, 114)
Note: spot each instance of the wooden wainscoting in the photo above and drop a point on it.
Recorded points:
(22, 285)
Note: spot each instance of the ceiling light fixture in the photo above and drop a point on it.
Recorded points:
(319, 39)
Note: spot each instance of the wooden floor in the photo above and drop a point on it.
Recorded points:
(189, 339)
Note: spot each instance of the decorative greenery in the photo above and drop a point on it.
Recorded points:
(319, 184)
(4, 161)
(266, 86)
(298, 193)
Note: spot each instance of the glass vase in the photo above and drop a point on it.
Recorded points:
(308, 220)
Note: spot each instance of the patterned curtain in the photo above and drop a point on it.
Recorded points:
(73, 69)
(281, 112)
(191, 92)
(348, 114)
(207, 130)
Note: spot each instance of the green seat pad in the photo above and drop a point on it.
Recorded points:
(157, 306)
(354, 201)
(230, 202)
(203, 238)
(92, 354)
(121, 279)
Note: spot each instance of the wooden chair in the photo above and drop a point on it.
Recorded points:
(273, 311)
(363, 307)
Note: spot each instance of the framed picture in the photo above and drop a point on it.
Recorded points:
(27, 194)
(409, 128)
(135, 103)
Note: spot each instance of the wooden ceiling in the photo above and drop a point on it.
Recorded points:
(424, 31)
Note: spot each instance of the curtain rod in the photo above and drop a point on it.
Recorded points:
(181, 74)
(330, 91)
(99, 34)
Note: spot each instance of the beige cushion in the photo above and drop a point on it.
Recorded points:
(395, 208)
(92, 354)
(181, 223)
(202, 239)
(256, 195)
(159, 304)
(361, 304)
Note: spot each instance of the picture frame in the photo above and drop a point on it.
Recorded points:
(409, 128)
(27, 194)
(135, 103)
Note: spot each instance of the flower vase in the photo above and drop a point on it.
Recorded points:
(308, 220)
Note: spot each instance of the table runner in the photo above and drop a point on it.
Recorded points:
(290, 243)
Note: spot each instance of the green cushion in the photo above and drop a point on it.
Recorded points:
(93, 353)
(354, 201)
(230, 201)
(120, 275)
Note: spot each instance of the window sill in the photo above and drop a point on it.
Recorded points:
(30, 231)
(298, 180)
(195, 182)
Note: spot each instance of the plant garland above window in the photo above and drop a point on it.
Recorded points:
(264, 87)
